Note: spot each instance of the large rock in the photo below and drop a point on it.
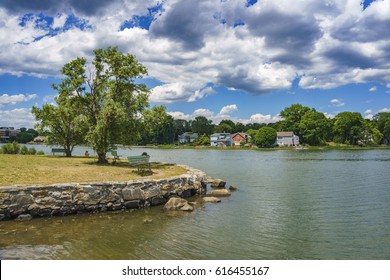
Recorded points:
(178, 204)
(217, 183)
(211, 199)
(233, 188)
(219, 193)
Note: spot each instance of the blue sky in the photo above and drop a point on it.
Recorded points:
(223, 59)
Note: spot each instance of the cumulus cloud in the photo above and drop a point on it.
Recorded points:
(337, 103)
(226, 110)
(6, 99)
(260, 118)
(225, 113)
(21, 117)
(190, 45)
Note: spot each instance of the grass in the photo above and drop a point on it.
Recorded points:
(28, 169)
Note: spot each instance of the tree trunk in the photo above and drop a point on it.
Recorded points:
(102, 158)
(68, 151)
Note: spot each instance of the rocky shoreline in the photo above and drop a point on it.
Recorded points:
(26, 202)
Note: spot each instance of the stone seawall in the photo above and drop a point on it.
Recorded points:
(24, 202)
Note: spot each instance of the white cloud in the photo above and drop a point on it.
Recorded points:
(329, 116)
(192, 44)
(337, 103)
(226, 110)
(6, 99)
(225, 114)
(384, 110)
(372, 89)
(17, 118)
(260, 118)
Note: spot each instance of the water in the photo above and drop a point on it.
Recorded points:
(290, 205)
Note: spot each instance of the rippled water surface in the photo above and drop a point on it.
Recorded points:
(290, 205)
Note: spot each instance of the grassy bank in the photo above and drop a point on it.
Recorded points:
(28, 169)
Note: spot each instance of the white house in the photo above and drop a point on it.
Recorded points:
(187, 137)
(287, 138)
(221, 139)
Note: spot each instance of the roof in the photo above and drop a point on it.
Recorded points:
(285, 134)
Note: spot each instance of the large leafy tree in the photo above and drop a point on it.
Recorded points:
(349, 128)
(202, 125)
(108, 96)
(265, 137)
(315, 128)
(382, 122)
(159, 127)
(293, 115)
(64, 124)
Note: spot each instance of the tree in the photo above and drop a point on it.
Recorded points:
(382, 123)
(223, 128)
(109, 98)
(349, 128)
(202, 125)
(25, 136)
(181, 126)
(202, 140)
(265, 137)
(315, 128)
(65, 125)
(159, 127)
(293, 115)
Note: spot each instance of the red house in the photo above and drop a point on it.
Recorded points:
(240, 137)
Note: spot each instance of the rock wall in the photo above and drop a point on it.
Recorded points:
(24, 202)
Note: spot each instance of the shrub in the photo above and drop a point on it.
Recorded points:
(11, 148)
(24, 150)
(32, 151)
(41, 153)
(265, 137)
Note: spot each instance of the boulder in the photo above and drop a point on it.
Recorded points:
(219, 193)
(211, 199)
(24, 217)
(233, 188)
(217, 183)
(178, 204)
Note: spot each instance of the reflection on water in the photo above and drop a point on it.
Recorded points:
(290, 205)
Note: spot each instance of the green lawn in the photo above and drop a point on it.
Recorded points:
(27, 169)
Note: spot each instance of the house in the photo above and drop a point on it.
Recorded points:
(287, 138)
(7, 132)
(240, 138)
(221, 139)
(187, 137)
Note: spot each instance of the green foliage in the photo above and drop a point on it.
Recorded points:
(223, 128)
(25, 136)
(24, 150)
(292, 116)
(41, 153)
(159, 127)
(349, 128)
(11, 148)
(203, 140)
(99, 102)
(382, 123)
(265, 137)
(315, 128)
(252, 133)
(202, 125)
(32, 151)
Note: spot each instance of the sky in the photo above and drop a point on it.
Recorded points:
(243, 60)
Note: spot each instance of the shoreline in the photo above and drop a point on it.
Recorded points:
(28, 201)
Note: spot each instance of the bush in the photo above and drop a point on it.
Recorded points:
(24, 150)
(265, 137)
(32, 151)
(41, 153)
(11, 148)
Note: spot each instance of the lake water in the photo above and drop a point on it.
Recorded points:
(290, 205)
